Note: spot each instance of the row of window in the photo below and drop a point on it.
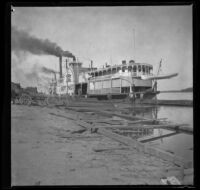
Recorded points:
(108, 84)
(140, 68)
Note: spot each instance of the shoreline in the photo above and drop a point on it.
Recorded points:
(51, 150)
(187, 103)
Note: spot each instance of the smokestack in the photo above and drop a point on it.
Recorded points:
(91, 64)
(55, 77)
(66, 64)
(60, 62)
(123, 62)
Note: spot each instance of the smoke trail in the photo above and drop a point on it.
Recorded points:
(48, 71)
(33, 76)
(68, 54)
(22, 41)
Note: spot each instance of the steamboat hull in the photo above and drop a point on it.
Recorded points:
(119, 88)
(147, 95)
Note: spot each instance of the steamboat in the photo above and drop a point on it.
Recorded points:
(129, 79)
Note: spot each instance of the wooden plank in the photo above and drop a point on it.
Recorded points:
(146, 120)
(159, 137)
(109, 149)
(107, 113)
(124, 127)
(133, 143)
(105, 120)
(110, 122)
(142, 147)
(117, 137)
(128, 117)
(64, 116)
(97, 120)
(84, 124)
(177, 127)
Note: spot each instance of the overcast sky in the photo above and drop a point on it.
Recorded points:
(106, 34)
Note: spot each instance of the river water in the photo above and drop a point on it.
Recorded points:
(175, 96)
(180, 144)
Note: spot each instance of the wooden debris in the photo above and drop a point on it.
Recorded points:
(126, 140)
(67, 117)
(177, 127)
(159, 137)
(172, 180)
(109, 149)
(79, 131)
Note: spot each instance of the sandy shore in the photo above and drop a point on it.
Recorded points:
(50, 150)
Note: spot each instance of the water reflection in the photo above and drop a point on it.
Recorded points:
(134, 133)
(178, 143)
(150, 112)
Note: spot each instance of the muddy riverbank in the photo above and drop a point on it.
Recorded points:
(51, 150)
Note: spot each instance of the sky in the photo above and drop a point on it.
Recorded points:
(108, 34)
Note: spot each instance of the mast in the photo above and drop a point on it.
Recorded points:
(155, 81)
(134, 43)
(67, 75)
(159, 68)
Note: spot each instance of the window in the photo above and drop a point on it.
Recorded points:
(134, 68)
(143, 69)
(147, 69)
(118, 69)
(130, 68)
(139, 68)
(123, 69)
(150, 69)
(114, 70)
(109, 71)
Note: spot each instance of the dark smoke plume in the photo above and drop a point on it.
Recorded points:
(22, 41)
(68, 54)
(48, 71)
